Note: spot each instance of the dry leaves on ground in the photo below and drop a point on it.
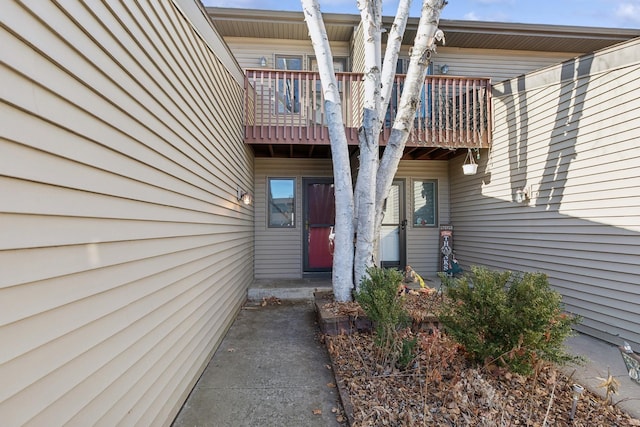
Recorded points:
(442, 389)
(270, 301)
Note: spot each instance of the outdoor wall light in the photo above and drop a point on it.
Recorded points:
(523, 195)
(444, 69)
(244, 196)
(263, 62)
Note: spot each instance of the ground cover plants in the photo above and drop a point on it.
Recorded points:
(466, 372)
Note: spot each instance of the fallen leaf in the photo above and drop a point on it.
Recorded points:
(231, 350)
(317, 412)
(332, 385)
(444, 389)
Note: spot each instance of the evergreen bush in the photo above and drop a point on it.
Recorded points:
(379, 298)
(514, 320)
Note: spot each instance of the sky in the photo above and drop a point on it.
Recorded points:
(590, 13)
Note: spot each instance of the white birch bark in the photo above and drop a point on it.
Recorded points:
(368, 135)
(344, 228)
(389, 67)
(392, 51)
(423, 48)
(374, 177)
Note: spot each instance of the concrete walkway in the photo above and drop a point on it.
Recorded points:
(603, 358)
(270, 370)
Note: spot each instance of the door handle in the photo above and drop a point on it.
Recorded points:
(403, 224)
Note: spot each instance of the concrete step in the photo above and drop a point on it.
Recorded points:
(287, 289)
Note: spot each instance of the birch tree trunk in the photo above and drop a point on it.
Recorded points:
(374, 177)
(344, 228)
(423, 48)
(392, 51)
(376, 97)
(394, 44)
(368, 136)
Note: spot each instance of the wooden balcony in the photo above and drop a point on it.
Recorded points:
(286, 109)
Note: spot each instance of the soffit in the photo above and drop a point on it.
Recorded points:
(461, 34)
(277, 24)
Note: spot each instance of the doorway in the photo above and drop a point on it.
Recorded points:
(393, 233)
(319, 220)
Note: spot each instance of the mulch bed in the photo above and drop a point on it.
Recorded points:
(442, 389)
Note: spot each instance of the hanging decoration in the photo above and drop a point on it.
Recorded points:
(470, 167)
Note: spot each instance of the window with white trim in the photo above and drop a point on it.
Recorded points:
(281, 202)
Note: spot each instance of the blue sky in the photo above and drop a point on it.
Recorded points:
(591, 13)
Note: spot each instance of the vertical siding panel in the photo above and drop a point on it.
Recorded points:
(120, 153)
(357, 50)
(568, 133)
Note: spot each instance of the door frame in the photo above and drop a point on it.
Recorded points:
(402, 232)
(306, 270)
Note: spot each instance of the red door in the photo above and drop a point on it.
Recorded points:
(319, 221)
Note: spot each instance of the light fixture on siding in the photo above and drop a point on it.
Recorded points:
(523, 195)
(469, 167)
(444, 69)
(244, 196)
(263, 62)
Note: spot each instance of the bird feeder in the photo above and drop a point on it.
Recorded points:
(470, 167)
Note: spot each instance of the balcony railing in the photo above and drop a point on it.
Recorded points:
(288, 107)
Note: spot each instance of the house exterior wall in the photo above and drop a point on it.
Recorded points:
(422, 242)
(124, 252)
(570, 134)
(496, 64)
(248, 51)
(279, 251)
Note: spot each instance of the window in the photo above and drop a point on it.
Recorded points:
(425, 203)
(339, 64)
(282, 202)
(288, 96)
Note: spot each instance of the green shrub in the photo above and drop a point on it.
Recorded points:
(407, 352)
(378, 297)
(505, 318)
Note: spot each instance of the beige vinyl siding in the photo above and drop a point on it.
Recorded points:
(248, 51)
(124, 252)
(279, 251)
(496, 64)
(568, 133)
